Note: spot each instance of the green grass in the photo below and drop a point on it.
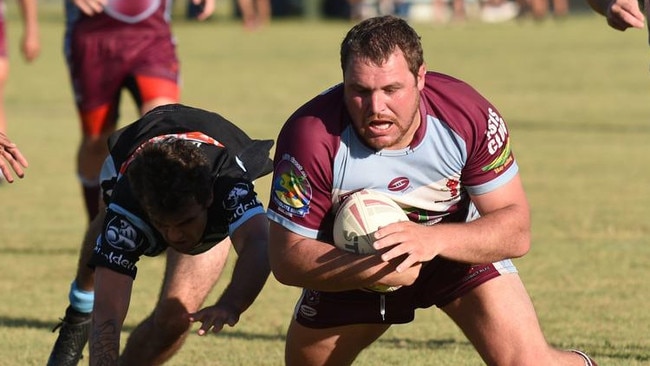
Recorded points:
(575, 95)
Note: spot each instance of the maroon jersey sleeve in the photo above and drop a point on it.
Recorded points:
(301, 191)
(479, 125)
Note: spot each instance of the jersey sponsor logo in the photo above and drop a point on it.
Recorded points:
(120, 234)
(234, 198)
(119, 260)
(498, 140)
(131, 11)
(307, 311)
(240, 201)
(399, 184)
(291, 190)
(497, 133)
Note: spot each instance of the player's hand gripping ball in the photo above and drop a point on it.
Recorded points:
(356, 220)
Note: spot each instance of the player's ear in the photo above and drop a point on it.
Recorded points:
(421, 76)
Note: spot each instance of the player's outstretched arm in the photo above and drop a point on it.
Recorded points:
(251, 271)
(11, 157)
(112, 296)
(30, 43)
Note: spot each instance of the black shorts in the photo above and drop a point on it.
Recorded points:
(440, 282)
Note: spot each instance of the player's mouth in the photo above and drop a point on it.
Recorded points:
(380, 125)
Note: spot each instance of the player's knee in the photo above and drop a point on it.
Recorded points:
(171, 320)
(95, 145)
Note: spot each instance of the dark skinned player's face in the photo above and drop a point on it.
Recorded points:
(184, 228)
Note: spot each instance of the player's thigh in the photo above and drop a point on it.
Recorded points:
(499, 319)
(336, 346)
(154, 91)
(190, 278)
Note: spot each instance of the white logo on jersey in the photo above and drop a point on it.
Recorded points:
(120, 234)
(236, 194)
(497, 132)
(131, 11)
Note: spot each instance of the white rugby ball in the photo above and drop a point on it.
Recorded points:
(358, 217)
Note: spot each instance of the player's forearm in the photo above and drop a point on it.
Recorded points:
(501, 234)
(112, 297)
(29, 10)
(249, 276)
(316, 265)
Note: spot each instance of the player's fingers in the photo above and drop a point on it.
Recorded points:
(621, 17)
(208, 9)
(394, 252)
(96, 6)
(7, 161)
(406, 263)
(6, 172)
(17, 157)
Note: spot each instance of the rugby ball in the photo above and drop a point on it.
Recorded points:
(357, 219)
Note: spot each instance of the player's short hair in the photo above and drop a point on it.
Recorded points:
(375, 39)
(167, 175)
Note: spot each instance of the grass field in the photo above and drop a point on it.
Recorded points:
(575, 94)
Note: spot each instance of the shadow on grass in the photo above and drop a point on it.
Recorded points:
(39, 251)
(635, 352)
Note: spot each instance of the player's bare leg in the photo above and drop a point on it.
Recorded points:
(75, 326)
(156, 102)
(499, 319)
(188, 281)
(337, 346)
(91, 153)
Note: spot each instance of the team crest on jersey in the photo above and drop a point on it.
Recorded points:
(131, 11)
(121, 234)
(234, 198)
(291, 189)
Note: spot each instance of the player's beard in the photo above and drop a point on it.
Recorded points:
(405, 131)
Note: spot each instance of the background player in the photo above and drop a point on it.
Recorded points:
(29, 45)
(111, 46)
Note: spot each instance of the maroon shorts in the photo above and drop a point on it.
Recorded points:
(439, 283)
(103, 63)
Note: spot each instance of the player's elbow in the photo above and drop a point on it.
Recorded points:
(521, 244)
(283, 275)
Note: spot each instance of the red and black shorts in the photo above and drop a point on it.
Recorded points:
(103, 63)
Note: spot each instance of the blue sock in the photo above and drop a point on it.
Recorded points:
(81, 301)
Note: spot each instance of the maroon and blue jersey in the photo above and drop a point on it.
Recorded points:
(461, 147)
